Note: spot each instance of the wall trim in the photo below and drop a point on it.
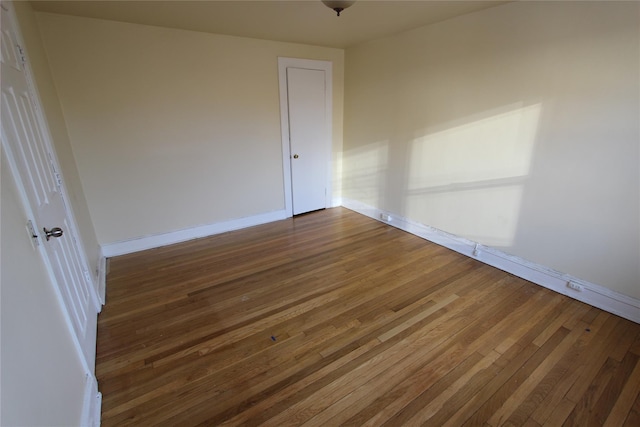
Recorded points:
(589, 293)
(92, 403)
(102, 278)
(164, 239)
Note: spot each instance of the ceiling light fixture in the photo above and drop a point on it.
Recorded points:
(338, 5)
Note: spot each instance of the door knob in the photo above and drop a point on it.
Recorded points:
(54, 232)
(295, 156)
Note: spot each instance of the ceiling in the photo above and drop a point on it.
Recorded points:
(302, 21)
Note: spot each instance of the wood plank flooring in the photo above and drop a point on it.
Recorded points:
(332, 318)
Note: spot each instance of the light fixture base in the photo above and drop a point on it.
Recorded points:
(338, 5)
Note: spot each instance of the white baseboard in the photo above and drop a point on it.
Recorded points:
(164, 239)
(92, 405)
(589, 293)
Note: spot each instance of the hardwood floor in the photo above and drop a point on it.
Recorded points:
(335, 319)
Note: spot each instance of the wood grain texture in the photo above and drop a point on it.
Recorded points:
(332, 318)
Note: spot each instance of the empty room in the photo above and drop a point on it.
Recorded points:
(320, 213)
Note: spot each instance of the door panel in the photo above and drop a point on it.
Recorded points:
(308, 138)
(25, 138)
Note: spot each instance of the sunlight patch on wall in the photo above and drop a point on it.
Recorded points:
(487, 215)
(367, 166)
(499, 146)
(469, 179)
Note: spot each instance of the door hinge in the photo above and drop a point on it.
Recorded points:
(87, 276)
(21, 51)
(58, 180)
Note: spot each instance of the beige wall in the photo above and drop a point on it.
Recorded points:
(42, 376)
(58, 129)
(516, 127)
(173, 129)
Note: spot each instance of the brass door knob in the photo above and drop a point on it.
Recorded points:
(295, 156)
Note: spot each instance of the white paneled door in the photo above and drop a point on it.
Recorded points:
(25, 138)
(305, 92)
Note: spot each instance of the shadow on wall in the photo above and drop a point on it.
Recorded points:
(467, 176)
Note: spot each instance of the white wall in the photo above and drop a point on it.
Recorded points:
(42, 376)
(516, 127)
(57, 127)
(173, 129)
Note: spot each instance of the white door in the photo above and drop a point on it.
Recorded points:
(26, 139)
(306, 109)
(308, 138)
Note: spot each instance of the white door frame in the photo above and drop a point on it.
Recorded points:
(310, 64)
(92, 398)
